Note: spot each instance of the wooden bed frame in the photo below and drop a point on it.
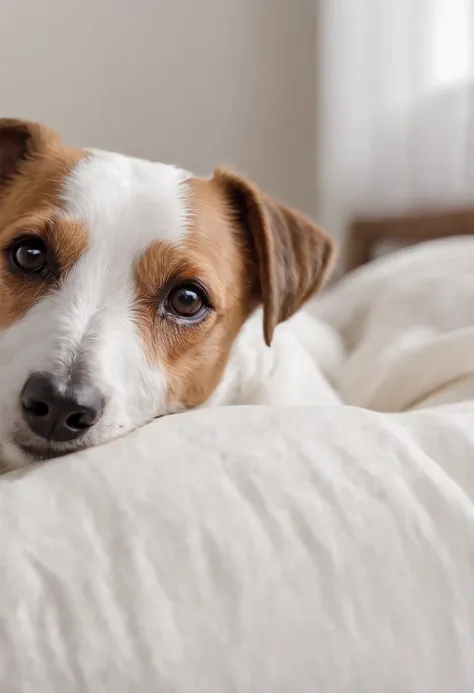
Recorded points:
(365, 235)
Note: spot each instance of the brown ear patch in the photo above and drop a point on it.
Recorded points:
(19, 141)
(294, 255)
(13, 147)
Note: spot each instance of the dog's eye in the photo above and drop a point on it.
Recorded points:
(187, 301)
(29, 255)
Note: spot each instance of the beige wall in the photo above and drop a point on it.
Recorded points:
(193, 82)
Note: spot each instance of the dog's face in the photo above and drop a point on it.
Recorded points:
(123, 284)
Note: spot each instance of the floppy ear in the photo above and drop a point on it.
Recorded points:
(20, 140)
(293, 255)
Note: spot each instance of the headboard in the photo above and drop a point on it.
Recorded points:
(367, 234)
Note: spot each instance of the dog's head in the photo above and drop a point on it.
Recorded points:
(123, 284)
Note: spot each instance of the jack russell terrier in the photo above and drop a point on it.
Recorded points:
(131, 289)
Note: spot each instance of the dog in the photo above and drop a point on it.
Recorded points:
(130, 290)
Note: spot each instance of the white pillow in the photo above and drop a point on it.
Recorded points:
(251, 550)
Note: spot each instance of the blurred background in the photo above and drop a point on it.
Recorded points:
(343, 108)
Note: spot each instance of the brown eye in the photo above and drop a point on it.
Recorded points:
(30, 255)
(187, 301)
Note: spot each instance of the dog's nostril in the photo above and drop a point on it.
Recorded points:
(79, 422)
(40, 409)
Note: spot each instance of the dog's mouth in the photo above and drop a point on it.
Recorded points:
(42, 451)
(42, 454)
(46, 453)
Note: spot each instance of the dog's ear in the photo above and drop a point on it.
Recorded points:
(20, 141)
(293, 255)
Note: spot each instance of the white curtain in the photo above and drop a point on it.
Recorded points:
(395, 107)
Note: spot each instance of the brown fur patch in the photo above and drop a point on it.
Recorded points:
(29, 204)
(214, 252)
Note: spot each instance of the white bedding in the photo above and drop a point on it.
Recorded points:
(255, 550)
(407, 323)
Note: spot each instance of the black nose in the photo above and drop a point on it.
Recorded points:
(58, 410)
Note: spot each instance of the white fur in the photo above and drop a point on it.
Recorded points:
(293, 372)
